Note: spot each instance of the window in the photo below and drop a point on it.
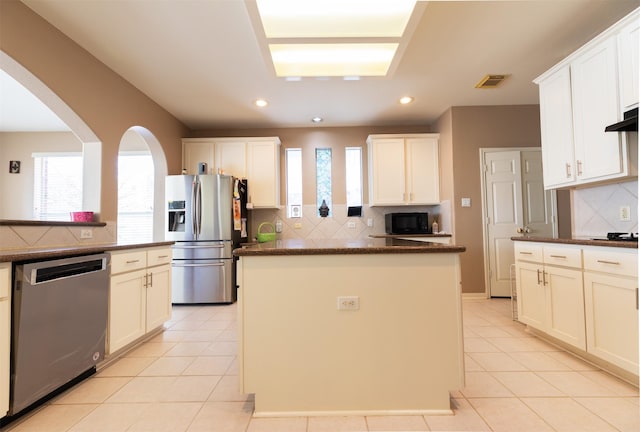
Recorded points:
(135, 197)
(57, 185)
(353, 162)
(323, 178)
(294, 182)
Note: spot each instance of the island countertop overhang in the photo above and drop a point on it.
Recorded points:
(344, 247)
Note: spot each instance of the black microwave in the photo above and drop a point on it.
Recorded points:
(406, 223)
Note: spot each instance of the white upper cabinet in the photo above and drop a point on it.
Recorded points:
(263, 173)
(556, 121)
(403, 169)
(256, 159)
(594, 89)
(231, 158)
(196, 151)
(629, 46)
(579, 97)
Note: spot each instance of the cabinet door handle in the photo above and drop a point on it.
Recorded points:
(558, 256)
(150, 280)
(608, 262)
(636, 298)
(579, 168)
(544, 277)
(538, 271)
(568, 168)
(146, 281)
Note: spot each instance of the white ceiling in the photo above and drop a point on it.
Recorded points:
(201, 60)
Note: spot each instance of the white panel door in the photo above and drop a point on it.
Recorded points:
(503, 188)
(538, 204)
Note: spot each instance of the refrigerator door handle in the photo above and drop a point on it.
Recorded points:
(193, 208)
(199, 208)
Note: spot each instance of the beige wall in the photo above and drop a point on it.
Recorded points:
(107, 103)
(16, 190)
(466, 131)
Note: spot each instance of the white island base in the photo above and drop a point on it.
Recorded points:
(400, 353)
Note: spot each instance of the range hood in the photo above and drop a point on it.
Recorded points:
(629, 124)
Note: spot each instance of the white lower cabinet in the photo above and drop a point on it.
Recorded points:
(550, 296)
(611, 306)
(5, 336)
(140, 294)
(585, 296)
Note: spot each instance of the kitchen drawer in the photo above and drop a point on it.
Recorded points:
(528, 251)
(610, 260)
(568, 256)
(158, 256)
(128, 261)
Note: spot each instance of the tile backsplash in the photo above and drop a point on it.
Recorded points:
(20, 237)
(596, 210)
(337, 226)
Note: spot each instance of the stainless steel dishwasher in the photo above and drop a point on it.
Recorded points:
(59, 324)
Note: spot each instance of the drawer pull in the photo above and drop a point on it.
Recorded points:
(163, 256)
(558, 256)
(526, 253)
(133, 261)
(608, 262)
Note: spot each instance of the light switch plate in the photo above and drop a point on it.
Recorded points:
(465, 202)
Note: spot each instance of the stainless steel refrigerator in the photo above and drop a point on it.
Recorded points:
(206, 217)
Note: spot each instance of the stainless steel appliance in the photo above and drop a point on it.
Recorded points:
(620, 236)
(407, 223)
(206, 217)
(59, 324)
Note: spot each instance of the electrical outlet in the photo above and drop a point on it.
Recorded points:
(370, 222)
(86, 233)
(278, 226)
(349, 303)
(351, 225)
(297, 225)
(625, 213)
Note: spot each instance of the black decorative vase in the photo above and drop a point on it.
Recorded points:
(324, 209)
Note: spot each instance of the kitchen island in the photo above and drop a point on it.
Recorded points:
(337, 327)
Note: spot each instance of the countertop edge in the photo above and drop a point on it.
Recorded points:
(37, 254)
(583, 242)
(436, 248)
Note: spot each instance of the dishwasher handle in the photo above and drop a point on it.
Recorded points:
(61, 271)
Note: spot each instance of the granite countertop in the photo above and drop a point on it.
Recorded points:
(50, 253)
(344, 247)
(578, 241)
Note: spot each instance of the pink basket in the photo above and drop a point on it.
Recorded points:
(82, 216)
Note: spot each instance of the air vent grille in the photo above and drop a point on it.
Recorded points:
(491, 81)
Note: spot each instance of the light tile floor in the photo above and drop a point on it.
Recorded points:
(185, 379)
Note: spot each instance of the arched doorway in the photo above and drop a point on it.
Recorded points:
(91, 145)
(142, 168)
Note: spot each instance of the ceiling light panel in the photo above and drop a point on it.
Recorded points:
(334, 18)
(305, 60)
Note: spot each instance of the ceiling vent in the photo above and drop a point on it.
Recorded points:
(491, 81)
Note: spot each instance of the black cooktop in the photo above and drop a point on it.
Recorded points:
(620, 236)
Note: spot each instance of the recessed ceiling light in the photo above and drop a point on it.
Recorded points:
(261, 103)
(406, 100)
(317, 119)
